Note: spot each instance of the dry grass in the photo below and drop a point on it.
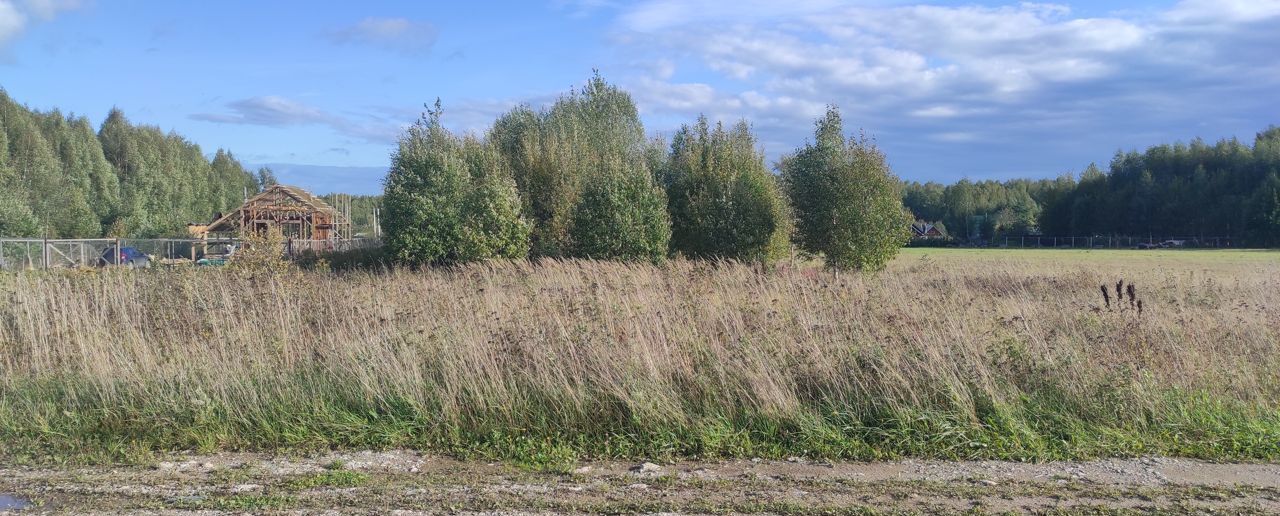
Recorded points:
(948, 355)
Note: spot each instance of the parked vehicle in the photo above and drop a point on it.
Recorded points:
(221, 255)
(129, 257)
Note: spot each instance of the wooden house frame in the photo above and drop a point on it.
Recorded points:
(294, 211)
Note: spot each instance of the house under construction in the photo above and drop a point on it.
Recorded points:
(294, 211)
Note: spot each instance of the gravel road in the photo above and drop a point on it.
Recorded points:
(407, 482)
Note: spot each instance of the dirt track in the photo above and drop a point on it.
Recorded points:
(382, 482)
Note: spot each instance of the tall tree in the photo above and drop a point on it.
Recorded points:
(848, 204)
(450, 199)
(723, 202)
(591, 136)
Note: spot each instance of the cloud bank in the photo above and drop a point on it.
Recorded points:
(276, 111)
(954, 81)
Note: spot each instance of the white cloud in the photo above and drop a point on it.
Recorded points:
(270, 110)
(675, 96)
(15, 17)
(276, 111)
(664, 14)
(936, 112)
(398, 34)
(48, 9)
(11, 21)
(1205, 12)
(956, 136)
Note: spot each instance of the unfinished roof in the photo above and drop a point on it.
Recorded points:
(283, 205)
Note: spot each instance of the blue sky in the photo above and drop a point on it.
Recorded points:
(949, 89)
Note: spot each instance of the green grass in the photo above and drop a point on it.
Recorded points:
(1042, 427)
(241, 502)
(334, 478)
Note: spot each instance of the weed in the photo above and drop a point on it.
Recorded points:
(328, 478)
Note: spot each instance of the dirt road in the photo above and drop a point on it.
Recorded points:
(408, 482)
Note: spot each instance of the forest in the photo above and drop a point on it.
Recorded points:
(61, 178)
(1228, 189)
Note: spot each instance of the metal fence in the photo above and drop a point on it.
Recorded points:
(32, 253)
(295, 247)
(1109, 242)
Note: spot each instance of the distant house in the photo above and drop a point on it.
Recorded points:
(294, 211)
(922, 229)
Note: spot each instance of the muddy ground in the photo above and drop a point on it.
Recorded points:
(407, 482)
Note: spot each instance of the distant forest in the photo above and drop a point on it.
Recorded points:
(61, 178)
(1228, 189)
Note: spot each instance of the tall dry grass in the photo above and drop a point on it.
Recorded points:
(973, 358)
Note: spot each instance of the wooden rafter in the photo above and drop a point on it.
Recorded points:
(280, 205)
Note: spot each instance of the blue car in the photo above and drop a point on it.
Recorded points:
(129, 257)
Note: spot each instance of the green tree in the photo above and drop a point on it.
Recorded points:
(16, 219)
(848, 204)
(265, 177)
(622, 216)
(123, 179)
(722, 200)
(590, 137)
(450, 200)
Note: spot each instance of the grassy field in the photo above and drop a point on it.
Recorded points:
(950, 354)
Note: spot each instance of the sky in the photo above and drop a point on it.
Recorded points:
(949, 90)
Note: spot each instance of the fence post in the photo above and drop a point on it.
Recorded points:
(118, 251)
(44, 253)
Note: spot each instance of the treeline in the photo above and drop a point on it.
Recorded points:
(1228, 189)
(59, 178)
(580, 180)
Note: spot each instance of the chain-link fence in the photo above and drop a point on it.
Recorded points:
(295, 247)
(28, 253)
(1112, 242)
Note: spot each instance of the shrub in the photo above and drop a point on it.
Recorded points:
(262, 253)
(449, 199)
(621, 216)
(723, 202)
(848, 204)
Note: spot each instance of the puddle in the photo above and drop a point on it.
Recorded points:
(10, 503)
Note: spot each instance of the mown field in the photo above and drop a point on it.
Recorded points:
(949, 353)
